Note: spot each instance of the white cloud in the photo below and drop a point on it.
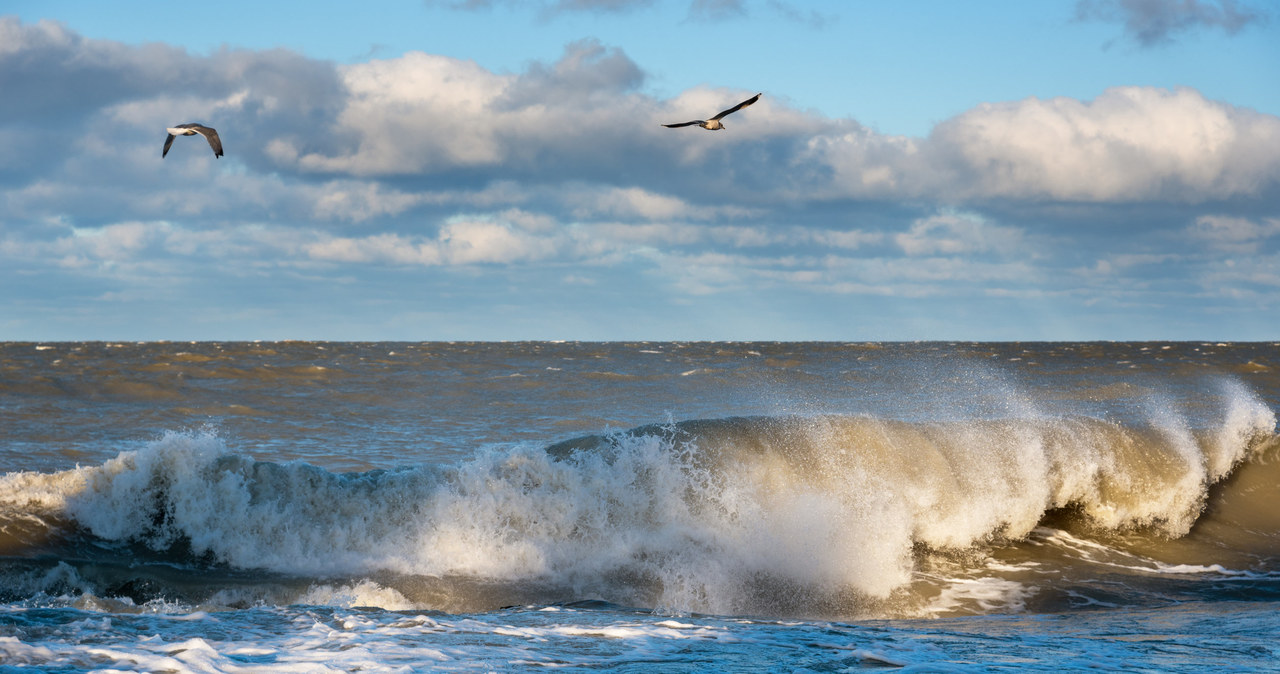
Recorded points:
(113, 241)
(478, 241)
(423, 113)
(1131, 144)
(427, 163)
(449, 131)
(957, 234)
(380, 248)
(360, 201)
(1233, 234)
(851, 240)
(866, 164)
(89, 247)
(636, 203)
(706, 273)
(461, 241)
(410, 114)
(940, 276)
(1116, 265)
(1254, 279)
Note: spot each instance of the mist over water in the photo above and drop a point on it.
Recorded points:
(810, 482)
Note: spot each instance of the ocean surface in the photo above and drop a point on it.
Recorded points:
(306, 506)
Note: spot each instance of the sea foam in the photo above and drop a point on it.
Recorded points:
(732, 515)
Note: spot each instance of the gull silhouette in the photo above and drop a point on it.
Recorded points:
(714, 123)
(190, 130)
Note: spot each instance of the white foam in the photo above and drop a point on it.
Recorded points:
(989, 594)
(363, 593)
(303, 639)
(15, 652)
(1103, 555)
(786, 510)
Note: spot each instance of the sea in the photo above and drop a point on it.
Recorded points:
(639, 506)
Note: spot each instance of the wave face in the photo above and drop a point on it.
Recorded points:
(808, 515)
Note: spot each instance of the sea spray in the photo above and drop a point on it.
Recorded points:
(725, 515)
(803, 482)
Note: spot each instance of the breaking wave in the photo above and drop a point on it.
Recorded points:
(833, 515)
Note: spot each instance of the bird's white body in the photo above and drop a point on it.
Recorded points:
(182, 132)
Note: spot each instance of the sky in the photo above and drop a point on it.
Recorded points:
(497, 170)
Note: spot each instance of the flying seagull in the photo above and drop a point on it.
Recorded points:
(714, 124)
(191, 130)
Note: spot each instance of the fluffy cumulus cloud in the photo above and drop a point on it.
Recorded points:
(1130, 144)
(425, 169)
(585, 118)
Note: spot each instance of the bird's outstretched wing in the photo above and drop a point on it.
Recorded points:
(210, 135)
(206, 132)
(739, 106)
(676, 126)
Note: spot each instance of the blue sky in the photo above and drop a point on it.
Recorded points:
(419, 169)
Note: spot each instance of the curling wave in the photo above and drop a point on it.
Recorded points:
(825, 514)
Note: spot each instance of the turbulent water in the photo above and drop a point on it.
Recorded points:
(386, 506)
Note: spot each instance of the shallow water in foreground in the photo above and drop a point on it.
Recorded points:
(344, 507)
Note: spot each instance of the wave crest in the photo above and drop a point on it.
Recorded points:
(733, 515)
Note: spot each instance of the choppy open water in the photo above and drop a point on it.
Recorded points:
(299, 506)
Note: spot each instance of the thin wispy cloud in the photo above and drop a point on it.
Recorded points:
(717, 10)
(799, 13)
(546, 7)
(1156, 22)
(710, 11)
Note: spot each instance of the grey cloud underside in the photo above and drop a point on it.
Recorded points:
(556, 186)
(1155, 22)
(53, 77)
(424, 161)
(584, 77)
(425, 122)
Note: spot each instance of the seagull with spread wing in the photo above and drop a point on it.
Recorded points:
(714, 123)
(191, 130)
